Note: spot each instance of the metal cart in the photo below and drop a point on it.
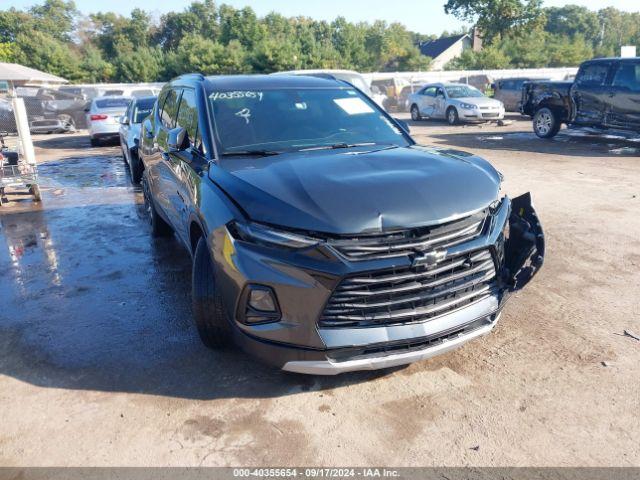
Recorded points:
(15, 173)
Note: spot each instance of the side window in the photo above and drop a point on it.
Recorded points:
(628, 76)
(169, 109)
(593, 75)
(188, 115)
(430, 92)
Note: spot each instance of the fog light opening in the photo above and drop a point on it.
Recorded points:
(261, 299)
(260, 305)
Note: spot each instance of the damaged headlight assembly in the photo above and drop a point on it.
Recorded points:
(269, 236)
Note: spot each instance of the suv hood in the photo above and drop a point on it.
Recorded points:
(358, 191)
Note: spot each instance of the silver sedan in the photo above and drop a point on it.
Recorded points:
(454, 102)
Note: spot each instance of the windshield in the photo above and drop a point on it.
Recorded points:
(294, 119)
(113, 103)
(463, 91)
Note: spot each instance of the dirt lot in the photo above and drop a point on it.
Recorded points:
(100, 363)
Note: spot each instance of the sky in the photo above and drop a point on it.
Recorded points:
(423, 16)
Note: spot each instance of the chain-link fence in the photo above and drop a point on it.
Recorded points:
(63, 108)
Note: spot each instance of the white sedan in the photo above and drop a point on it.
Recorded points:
(103, 118)
(454, 102)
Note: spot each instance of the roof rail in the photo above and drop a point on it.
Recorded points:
(198, 76)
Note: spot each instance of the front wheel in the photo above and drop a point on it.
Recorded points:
(208, 310)
(415, 113)
(452, 116)
(546, 123)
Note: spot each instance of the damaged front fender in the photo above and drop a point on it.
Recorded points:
(524, 247)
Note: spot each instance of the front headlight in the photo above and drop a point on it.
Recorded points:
(468, 106)
(265, 235)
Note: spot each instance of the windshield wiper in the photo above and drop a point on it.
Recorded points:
(251, 153)
(336, 146)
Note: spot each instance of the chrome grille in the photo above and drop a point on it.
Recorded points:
(407, 242)
(410, 294)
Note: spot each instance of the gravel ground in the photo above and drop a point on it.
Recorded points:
(100, 363)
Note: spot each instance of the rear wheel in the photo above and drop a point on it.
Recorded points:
(95, 142)
(159, 228)
(546, 123)
(208, 310)
(452, 116)
(415, 113)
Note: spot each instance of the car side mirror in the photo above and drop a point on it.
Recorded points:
(176, 138)
(404, 125)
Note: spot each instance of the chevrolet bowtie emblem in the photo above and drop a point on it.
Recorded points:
(429, 259)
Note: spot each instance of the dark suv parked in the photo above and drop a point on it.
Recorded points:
(605, 95)
(324, 239)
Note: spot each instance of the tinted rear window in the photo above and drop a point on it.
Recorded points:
(113, 103)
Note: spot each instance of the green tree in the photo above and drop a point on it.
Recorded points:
(496, 18)
(572, 20)
(139, 65)
(489, 58)
(95, 69)
(41, 51)
(56, 18)
(6, 52)
(198, 54)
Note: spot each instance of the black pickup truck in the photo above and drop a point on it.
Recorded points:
(604, 95)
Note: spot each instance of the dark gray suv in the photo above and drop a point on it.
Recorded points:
(324, 239)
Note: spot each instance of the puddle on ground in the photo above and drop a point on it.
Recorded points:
(99, 171)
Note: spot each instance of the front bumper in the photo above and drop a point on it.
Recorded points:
(481, 115)
(304, 281)
(435, 346)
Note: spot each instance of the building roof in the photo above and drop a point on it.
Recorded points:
(14, 72)
(437, 47)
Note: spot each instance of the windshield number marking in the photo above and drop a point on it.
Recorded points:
(237, 94)
(244, 113)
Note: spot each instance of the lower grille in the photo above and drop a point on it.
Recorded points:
(411, 294)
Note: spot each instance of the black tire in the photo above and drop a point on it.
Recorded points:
(208, 308)
(159, 228)
(135, 167)
(415, 113)
(95, 142)
(546, 123)
(452, 116)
